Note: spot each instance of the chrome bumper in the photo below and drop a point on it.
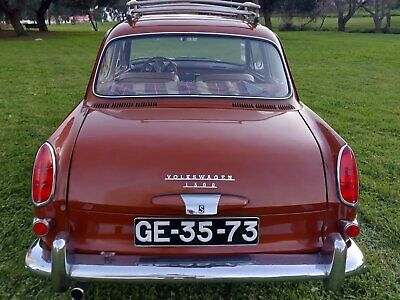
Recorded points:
(333, 263)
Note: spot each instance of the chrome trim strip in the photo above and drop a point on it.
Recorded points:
(201, 204)
(327, 264)
(53, 188)
(355, 205)
(278, 48)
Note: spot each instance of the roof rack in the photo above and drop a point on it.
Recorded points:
(248, 11)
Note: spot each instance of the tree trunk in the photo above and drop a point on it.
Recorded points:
(341, 23)
(13, 16)
(378, 25)
(41, 21)
(322, 22)
(41, 15)
(93, 21)
(388, 22)
(267, 18)
(16, 24)
(341, 20)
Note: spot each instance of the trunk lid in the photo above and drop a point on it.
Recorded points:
(124, 159)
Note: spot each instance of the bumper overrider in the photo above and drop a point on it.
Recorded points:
(335, 261)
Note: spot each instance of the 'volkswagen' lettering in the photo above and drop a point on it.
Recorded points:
(200, 181)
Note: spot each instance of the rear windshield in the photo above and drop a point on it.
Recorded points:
(191, 65)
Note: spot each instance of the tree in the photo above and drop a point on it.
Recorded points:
(319, 11)
(291, 8)
(41, 14)
(88, 7)
(350, 6)
(12, 10)
(267, 8)
(379, 9)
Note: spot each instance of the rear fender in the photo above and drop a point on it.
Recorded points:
(330, 144)
(63, 141)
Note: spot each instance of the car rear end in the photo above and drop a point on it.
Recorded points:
(212, 180)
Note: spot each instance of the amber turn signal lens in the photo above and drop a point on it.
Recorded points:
(43, 178)
(347, 176)
(352, 230)
(41, 227)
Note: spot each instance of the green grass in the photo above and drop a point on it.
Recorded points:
(351, 80)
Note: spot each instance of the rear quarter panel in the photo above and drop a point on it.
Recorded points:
(63, 141)
(330, 143)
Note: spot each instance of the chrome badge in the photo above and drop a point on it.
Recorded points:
(201, 204)
(200, 181)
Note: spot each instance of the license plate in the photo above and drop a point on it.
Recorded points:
(196, 232)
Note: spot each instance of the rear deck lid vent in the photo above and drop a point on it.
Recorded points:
(146, 104)
(242, 105)
(263, 106)
(101, 105)
(266, 106)
(124, 105)
(285, 107)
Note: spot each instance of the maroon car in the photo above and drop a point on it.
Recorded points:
(191, 157)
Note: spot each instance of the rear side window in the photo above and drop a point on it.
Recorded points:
(191, 65)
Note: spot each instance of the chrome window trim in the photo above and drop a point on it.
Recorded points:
(286, 68)
(53, 188)
(354, 205)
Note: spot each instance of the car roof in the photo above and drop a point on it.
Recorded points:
(191, 23)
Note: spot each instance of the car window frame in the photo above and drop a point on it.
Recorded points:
(131, 36)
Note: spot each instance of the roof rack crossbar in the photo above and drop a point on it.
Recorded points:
(247, 10)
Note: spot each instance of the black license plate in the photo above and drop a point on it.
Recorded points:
(196, 232)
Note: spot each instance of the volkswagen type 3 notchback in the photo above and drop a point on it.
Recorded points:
(191, 157)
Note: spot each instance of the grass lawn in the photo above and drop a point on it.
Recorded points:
(351, 80)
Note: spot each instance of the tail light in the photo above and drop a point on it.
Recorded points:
(347, 176)
(349, 229)
(352, 230)
(41, 227)
(44, 174)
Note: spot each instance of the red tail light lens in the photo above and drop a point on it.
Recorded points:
(347, 176)
(41, 227)
(43, 178)
(352, 230)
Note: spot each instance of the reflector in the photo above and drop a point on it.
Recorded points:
(352, 230)
(40, 227)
